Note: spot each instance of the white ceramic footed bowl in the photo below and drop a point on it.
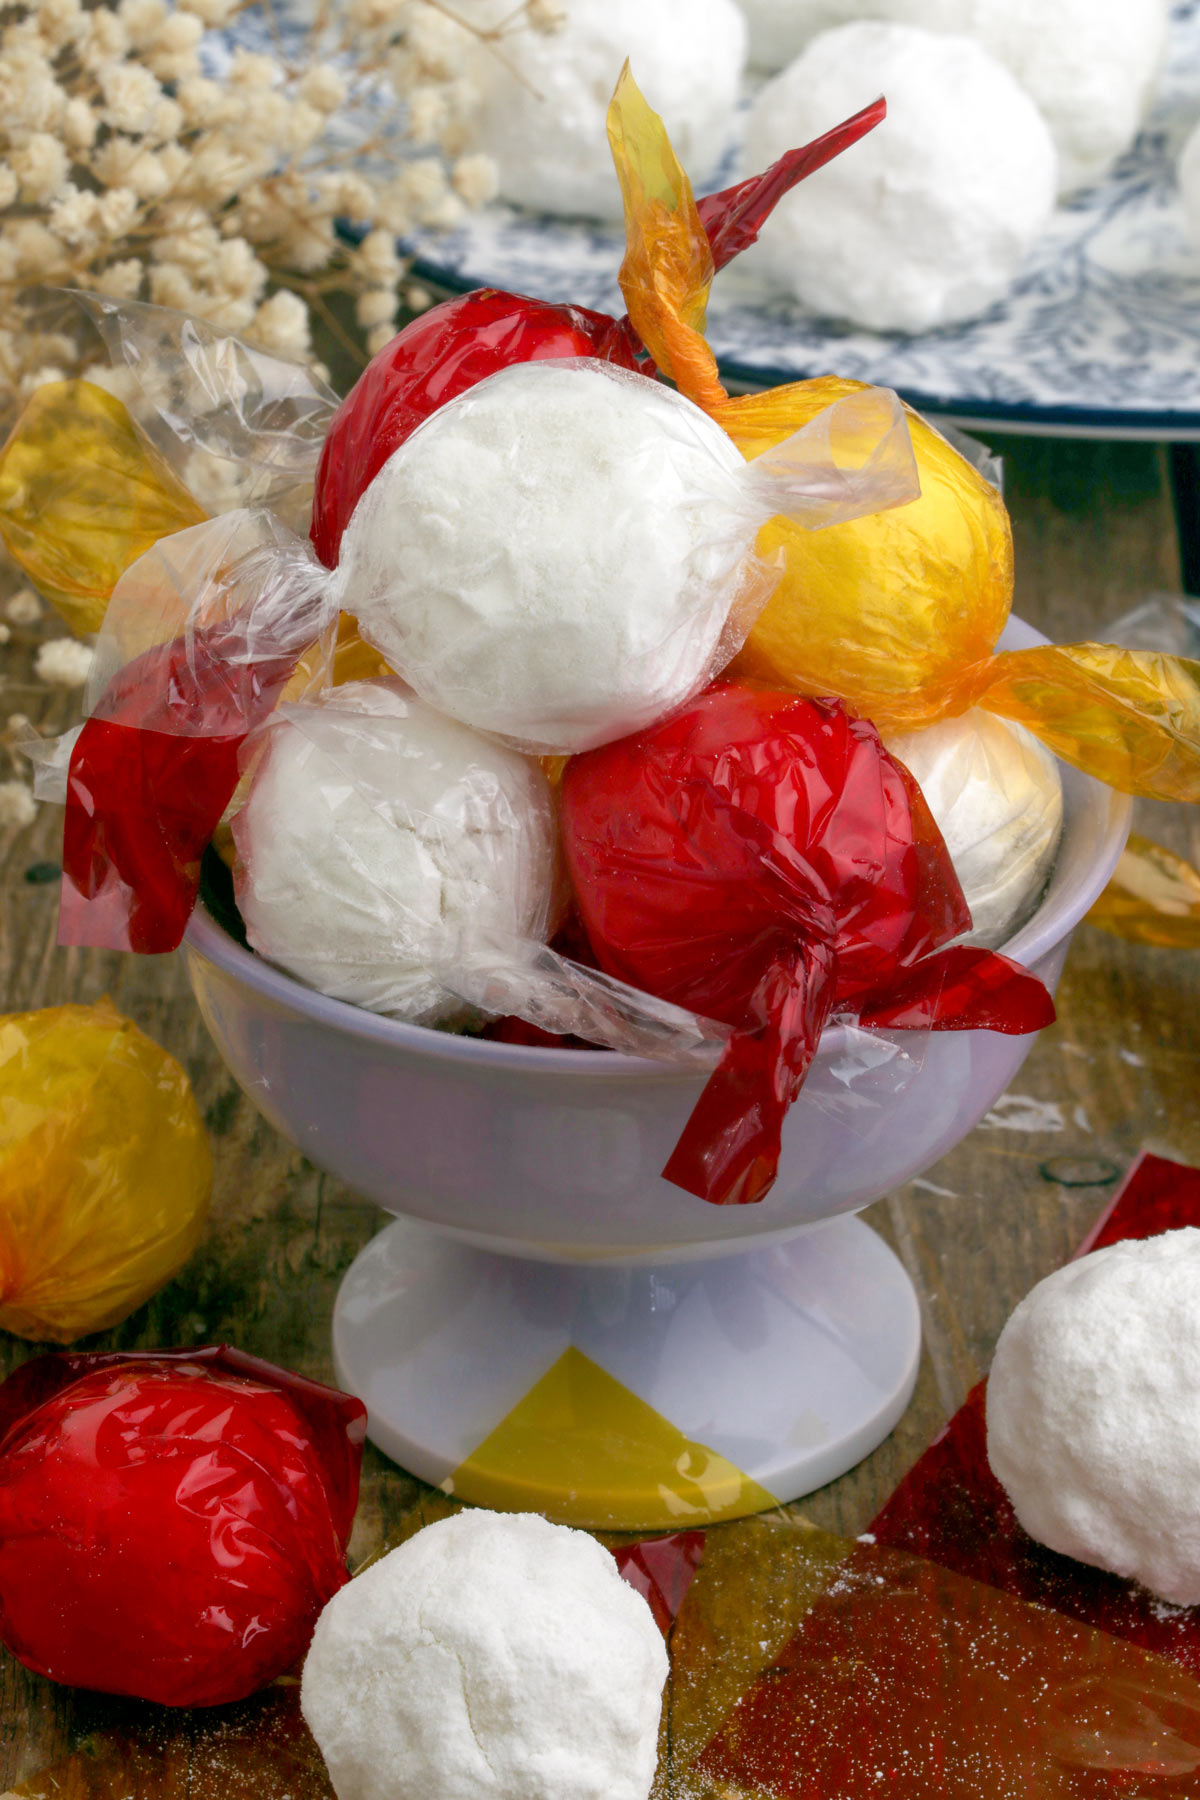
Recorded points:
(555, 1154)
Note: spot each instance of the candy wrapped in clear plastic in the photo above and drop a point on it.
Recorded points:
(566, 551)
(379, 841)
(996, 797)
(171, 1522)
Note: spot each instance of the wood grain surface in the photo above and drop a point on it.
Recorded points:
(1095, 532)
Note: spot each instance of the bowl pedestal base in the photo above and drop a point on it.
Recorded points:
(629, 1397)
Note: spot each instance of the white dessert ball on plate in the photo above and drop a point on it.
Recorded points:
(378, 839)
(543, 96)
(996, 797)
(491, 1657)
(927, 220)
(553, 555)
(1093, 1412)
(1090, 65)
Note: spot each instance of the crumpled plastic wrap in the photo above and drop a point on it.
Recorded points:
(760, 859)
(171, 1522)
(899, 617)
(105, 1170)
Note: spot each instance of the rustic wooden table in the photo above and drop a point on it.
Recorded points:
(1095, 532)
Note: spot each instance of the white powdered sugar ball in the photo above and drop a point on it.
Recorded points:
(996, 797)
(1093, 1412)
(553, 555)
(1091, 66)
(928, 219)
(378, 840)
(543, 98)
(491, 1657)
(1189, 186)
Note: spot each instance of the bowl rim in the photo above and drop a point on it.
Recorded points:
(209, 941)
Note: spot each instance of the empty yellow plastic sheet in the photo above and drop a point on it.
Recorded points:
(105, 1170)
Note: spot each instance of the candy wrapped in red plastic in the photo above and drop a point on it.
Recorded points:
(171, 1522)
(761, 859)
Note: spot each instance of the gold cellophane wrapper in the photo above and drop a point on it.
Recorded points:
(82, 494)
(105, 1170)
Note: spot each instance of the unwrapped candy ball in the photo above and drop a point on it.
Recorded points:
(379, 838)
(553, 556)
(1090, 65)
(105, 1170)
(171, 1522)
(927, 220)
(1093, 1412)
(542, 96)
(996, 797)
(491, 1657)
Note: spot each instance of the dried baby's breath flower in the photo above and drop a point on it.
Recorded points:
(18, 807)
(24, 608)
(130, 167)
(63, 662)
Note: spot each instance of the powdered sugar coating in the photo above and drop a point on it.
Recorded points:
(552, 557)
(1093, 1412)
(926, 220)
(996, 796)
(1090, 65)
(377, 836)
(491, 1657)
(546, 127)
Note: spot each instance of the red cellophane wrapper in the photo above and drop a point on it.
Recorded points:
(171, 1522)
(760, 859)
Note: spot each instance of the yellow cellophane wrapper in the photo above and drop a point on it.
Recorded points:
(1153, 898)
(1129, 717)
(105, 1170)
(82, 495)
(883, 611)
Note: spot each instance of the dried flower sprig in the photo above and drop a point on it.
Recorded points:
(143, 157)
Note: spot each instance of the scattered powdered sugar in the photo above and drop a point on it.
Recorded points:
(1021, 1112)
(1093, 1412)
(493, 1656)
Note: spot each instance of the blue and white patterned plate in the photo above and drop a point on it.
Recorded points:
(1100, 337)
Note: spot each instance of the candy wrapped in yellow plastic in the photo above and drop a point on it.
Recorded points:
(105, 1170)
(897, 614)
